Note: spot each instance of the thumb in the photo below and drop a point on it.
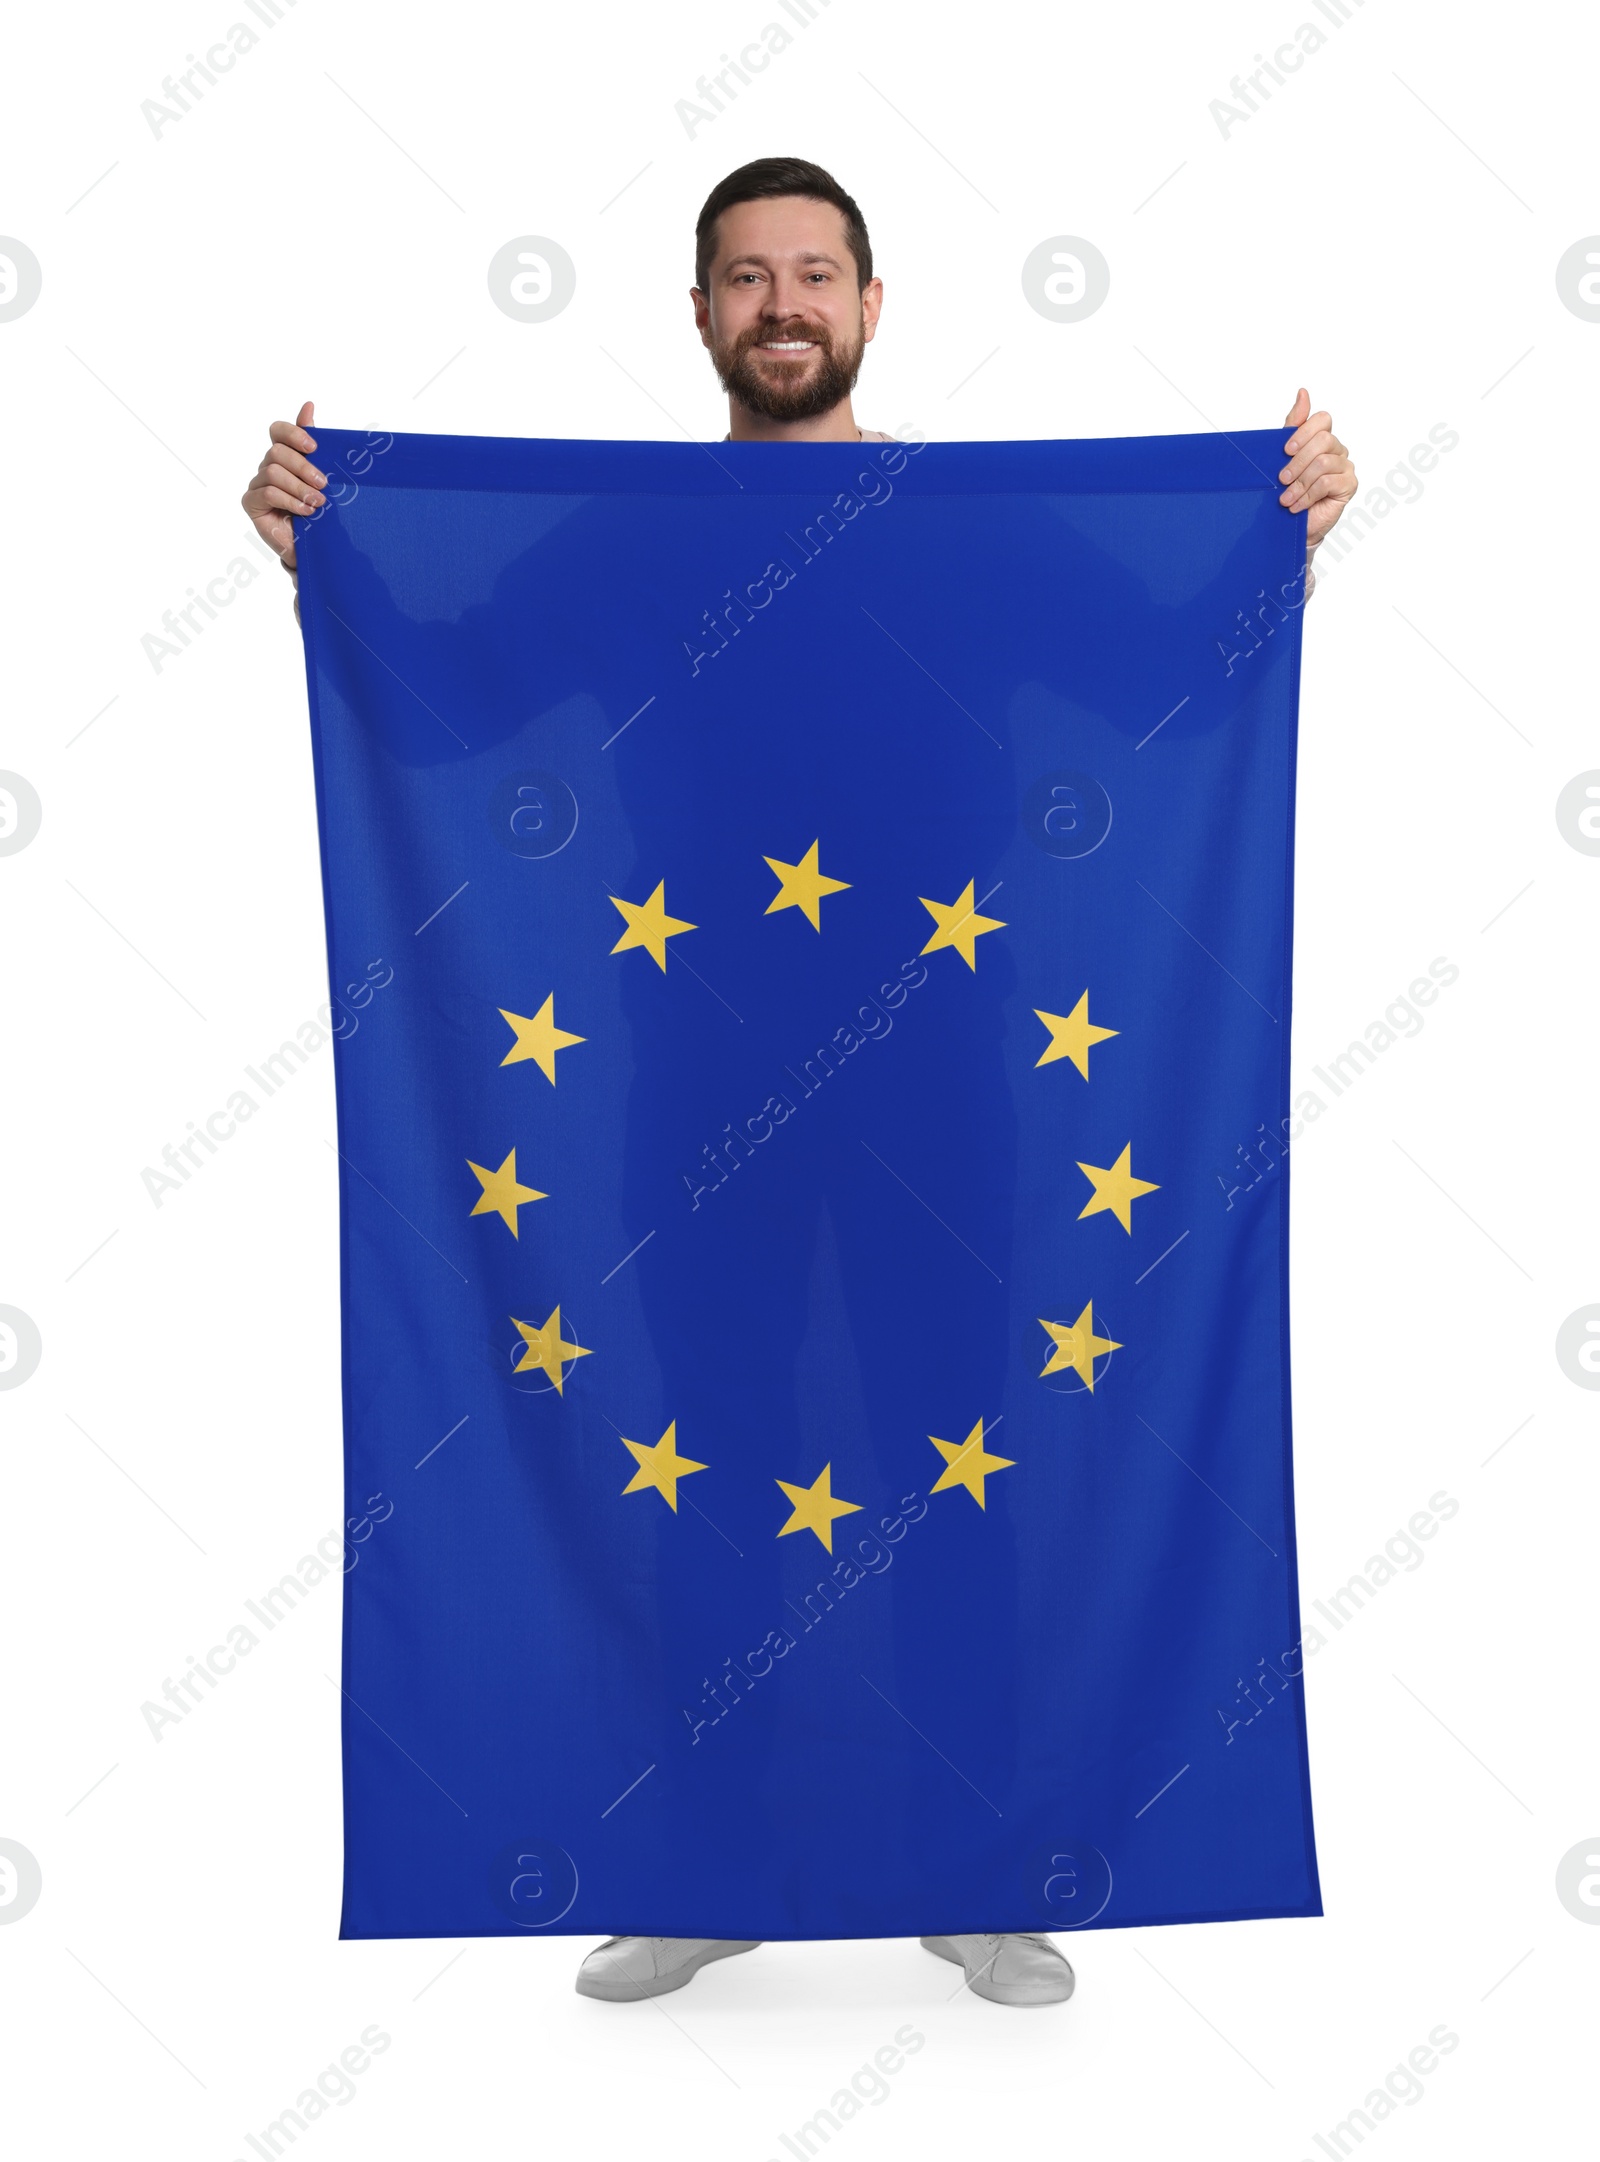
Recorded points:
(1300, 411)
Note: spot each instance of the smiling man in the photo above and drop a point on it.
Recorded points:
(786, 303)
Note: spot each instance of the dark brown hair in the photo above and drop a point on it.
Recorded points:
(778, 176)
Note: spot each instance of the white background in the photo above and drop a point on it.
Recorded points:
(1385, 229)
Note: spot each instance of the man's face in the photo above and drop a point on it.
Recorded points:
(785, 321)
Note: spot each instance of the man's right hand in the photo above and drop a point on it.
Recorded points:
(286, 484)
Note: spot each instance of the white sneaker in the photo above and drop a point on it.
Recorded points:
(625, 1968)
(1009, 1969)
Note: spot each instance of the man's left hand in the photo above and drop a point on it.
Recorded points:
(1319, 478)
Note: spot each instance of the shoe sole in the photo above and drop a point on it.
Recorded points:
(624, 1990)
(982, 1984)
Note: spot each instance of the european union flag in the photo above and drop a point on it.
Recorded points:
(827, 1372)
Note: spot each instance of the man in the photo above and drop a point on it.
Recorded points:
(786, 303)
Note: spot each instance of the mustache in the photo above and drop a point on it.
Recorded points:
(812, 333)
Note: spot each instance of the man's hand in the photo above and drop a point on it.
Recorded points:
(1319, 476)
(286, 482)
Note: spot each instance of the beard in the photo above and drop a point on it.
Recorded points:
(798, 389)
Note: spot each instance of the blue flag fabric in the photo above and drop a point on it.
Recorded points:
(809, 928)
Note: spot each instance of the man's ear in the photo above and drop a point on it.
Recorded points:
(871, 306)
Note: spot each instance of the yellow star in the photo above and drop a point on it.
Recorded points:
(959, 925)
(501, 1195)
(538, 1038)
(966, 1463)
(1071, 1035)
(815, 1508)
(1075, 1345)
(545, 1352)
(1115, 1189)
(661, 1467)
(801, 885)
(649, 926)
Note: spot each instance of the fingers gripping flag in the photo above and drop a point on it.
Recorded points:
(801, 1297)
